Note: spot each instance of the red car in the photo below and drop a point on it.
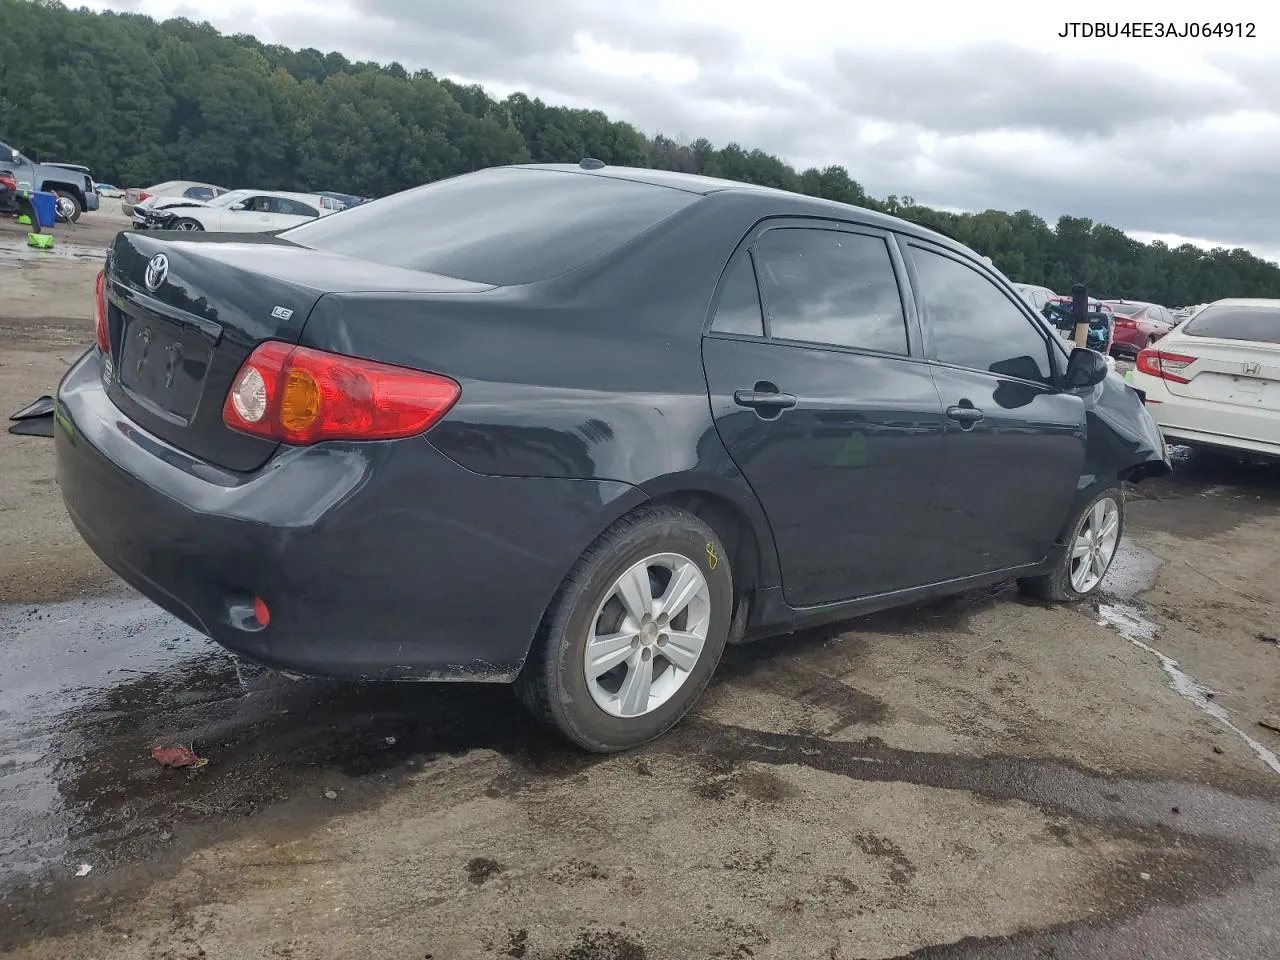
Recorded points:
(8, 192)
(1138, 325)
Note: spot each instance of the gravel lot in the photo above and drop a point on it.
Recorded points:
(981, 777)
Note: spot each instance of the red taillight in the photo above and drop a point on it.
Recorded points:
(100, 312)
(144, 196)
(1166, 366)
(1125, 323)
(300, 396)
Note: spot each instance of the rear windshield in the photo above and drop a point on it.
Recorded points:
(500, 226)
(1126, 309)
(1260, 324)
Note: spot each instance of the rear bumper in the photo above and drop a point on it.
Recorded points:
(1189, 420)
(1129, 341)
(377, 561)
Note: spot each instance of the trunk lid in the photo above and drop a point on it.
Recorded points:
(184, 312)
(1234, 372)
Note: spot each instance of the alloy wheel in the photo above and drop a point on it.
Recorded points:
(1095, 544)
(647, 635)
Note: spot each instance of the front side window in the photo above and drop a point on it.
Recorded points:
(974, 324)
(831, 287)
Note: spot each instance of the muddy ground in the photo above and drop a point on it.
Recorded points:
(982, 777)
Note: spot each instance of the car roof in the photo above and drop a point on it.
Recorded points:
(1246, 302)
(801, 204)
(287, 194)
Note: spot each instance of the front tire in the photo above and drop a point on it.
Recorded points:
(187, 225)
(1092, 541)
(634, 633)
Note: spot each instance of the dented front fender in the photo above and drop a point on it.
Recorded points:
(1122, 439)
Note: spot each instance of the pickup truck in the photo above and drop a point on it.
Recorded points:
(69, 181)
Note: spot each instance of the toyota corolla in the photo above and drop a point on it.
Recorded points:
(576, 428)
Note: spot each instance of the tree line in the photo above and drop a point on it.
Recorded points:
(140, 102)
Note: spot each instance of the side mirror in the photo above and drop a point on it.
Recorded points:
(1085, 368)
(238, 205)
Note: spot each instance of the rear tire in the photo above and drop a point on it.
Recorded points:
(68, 206)
(617, 710)
(1067, 581)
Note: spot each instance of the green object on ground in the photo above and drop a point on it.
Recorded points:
(24, 220)
(1128, 376)
(41, 241)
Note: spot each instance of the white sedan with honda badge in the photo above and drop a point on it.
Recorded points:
(1214, 381)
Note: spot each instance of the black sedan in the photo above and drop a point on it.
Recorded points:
(577, 428)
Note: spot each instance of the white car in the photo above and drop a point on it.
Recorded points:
(243, 211)
(1214, 380)
(1035, 295)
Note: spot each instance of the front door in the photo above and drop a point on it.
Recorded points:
(1014, 445)
(821, 405)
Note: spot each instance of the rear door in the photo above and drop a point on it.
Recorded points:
(824, 408)
(1236, 366)
(1013, 449)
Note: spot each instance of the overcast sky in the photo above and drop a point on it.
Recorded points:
(961, 105)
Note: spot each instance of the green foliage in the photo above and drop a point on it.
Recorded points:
(140, 101)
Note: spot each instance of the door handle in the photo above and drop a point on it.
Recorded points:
(764, 399)
(967, 416)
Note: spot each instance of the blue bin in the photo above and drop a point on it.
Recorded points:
(46, 205)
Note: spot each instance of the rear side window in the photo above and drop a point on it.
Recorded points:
(1259, 324)
(831, 287)
(739, 308)
(501, 226)
(295, 208)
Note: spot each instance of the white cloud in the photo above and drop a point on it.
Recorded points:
(956, 106)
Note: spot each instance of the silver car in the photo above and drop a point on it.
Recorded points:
(192, 189)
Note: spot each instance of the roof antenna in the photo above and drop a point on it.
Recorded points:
(590, 163)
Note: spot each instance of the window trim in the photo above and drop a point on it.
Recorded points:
(747, 246)
(1056, 350)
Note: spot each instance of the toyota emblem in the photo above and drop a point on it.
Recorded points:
(157, 270)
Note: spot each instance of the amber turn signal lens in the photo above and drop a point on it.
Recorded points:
(300, 404)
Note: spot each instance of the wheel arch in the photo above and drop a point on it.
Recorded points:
(48, 186)
(733, 513)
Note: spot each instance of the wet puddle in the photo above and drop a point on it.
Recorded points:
(57, 664)
(88, 687)
(14, 253)
(1133, 571)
